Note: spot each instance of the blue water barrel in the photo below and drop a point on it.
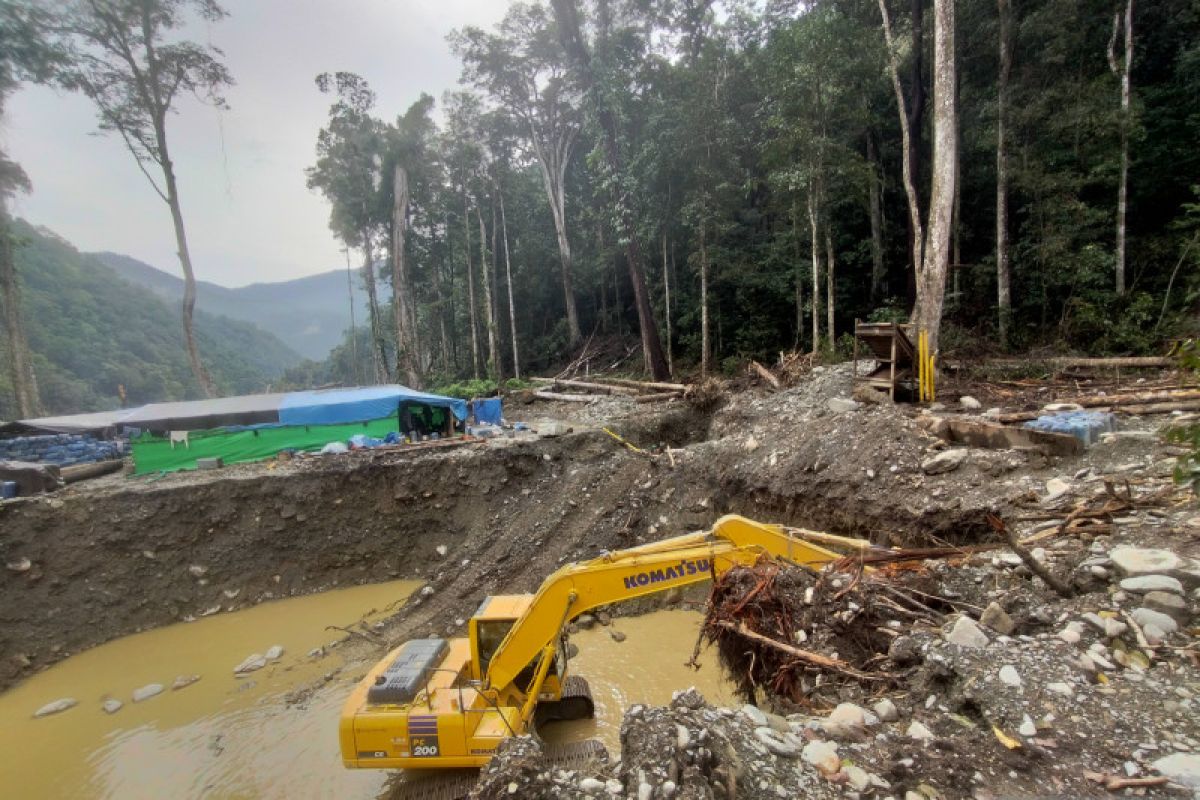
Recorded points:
(8, 489)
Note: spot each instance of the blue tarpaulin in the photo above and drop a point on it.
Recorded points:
(486, 411)
(336, 406)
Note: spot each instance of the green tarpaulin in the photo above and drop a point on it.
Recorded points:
(156, 454)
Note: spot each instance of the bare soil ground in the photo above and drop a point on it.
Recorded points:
(117, 555)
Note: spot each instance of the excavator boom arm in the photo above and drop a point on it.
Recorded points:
(627, 574)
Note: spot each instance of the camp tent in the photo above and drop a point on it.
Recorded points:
(102, 424)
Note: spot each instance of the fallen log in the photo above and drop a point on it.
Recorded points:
(594, 387)
(1035, 566)
(1131, 362)
(81, 472)
(1158, 408)
(654, 398)
(1102, 401)
(766, 375)
(569, 398)
(646, 385)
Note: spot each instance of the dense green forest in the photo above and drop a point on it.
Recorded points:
(759, 162)
(90, 332)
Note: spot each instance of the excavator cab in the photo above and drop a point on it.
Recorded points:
(559, 697)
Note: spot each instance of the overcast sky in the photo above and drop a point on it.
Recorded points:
(249, 216)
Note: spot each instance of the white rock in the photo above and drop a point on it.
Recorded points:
(1055, 488)
(945, 461)
(847, 720)
(613, 786)
(1069, 636)
(591, 785)
(966, 633)
(918, 732)
(1154, 635)
(755, 715)
(1152, 583)
(1148, 616)
(969, 403)
(441, 549)
(886, 710)
(112, 705)
(1144, 561)
(781, 744)
(840, 405)
(184, 681)
(146, 692)
(1183, 768)
(682, 737)
(197, 570)
(645, 791)
(859, 778)
(1009, 676)
(823, 756)
(275, 653)
(1058, 687)
(997, 619)
(1027, 727)
(668, 789)
(56, 707)
(250, 664)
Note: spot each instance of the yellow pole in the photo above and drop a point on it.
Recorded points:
(932, 373)
(921, 365)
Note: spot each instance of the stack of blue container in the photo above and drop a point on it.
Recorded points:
(62, 449)
(1085, 426)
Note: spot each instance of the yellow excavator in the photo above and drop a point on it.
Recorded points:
(444, 704)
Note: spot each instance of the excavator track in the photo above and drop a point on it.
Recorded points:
(576, 703)
(457, 784)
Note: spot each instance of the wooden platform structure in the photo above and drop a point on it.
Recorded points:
(890, 344)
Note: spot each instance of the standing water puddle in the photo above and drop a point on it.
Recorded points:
(647, 668)
(222, 737)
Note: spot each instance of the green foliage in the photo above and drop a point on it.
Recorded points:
(1188, 469)
(484, 387)
(89, 332)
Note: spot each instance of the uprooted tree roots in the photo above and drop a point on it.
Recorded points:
(806, 637)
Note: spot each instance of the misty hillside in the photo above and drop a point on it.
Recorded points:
(311, 314)
(90, 331)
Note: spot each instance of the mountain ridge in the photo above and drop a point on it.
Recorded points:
(310, 313)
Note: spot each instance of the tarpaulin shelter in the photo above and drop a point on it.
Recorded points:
(254, 427)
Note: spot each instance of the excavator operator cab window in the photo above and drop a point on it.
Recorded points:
(491, 633)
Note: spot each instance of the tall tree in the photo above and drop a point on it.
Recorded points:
(1003, 259)
(24, 55)
(123, 62)
(523, 68)
(596, 87)
(1123, 69)
(349, 173)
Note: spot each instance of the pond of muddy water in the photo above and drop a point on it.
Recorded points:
(221, 737)
(225, 737)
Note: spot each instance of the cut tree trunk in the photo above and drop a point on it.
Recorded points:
(568, 398)
(593, 387)
(646, 385)
(667, 302)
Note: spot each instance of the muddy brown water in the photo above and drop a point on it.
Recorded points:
(226, 737)
(222, 737)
